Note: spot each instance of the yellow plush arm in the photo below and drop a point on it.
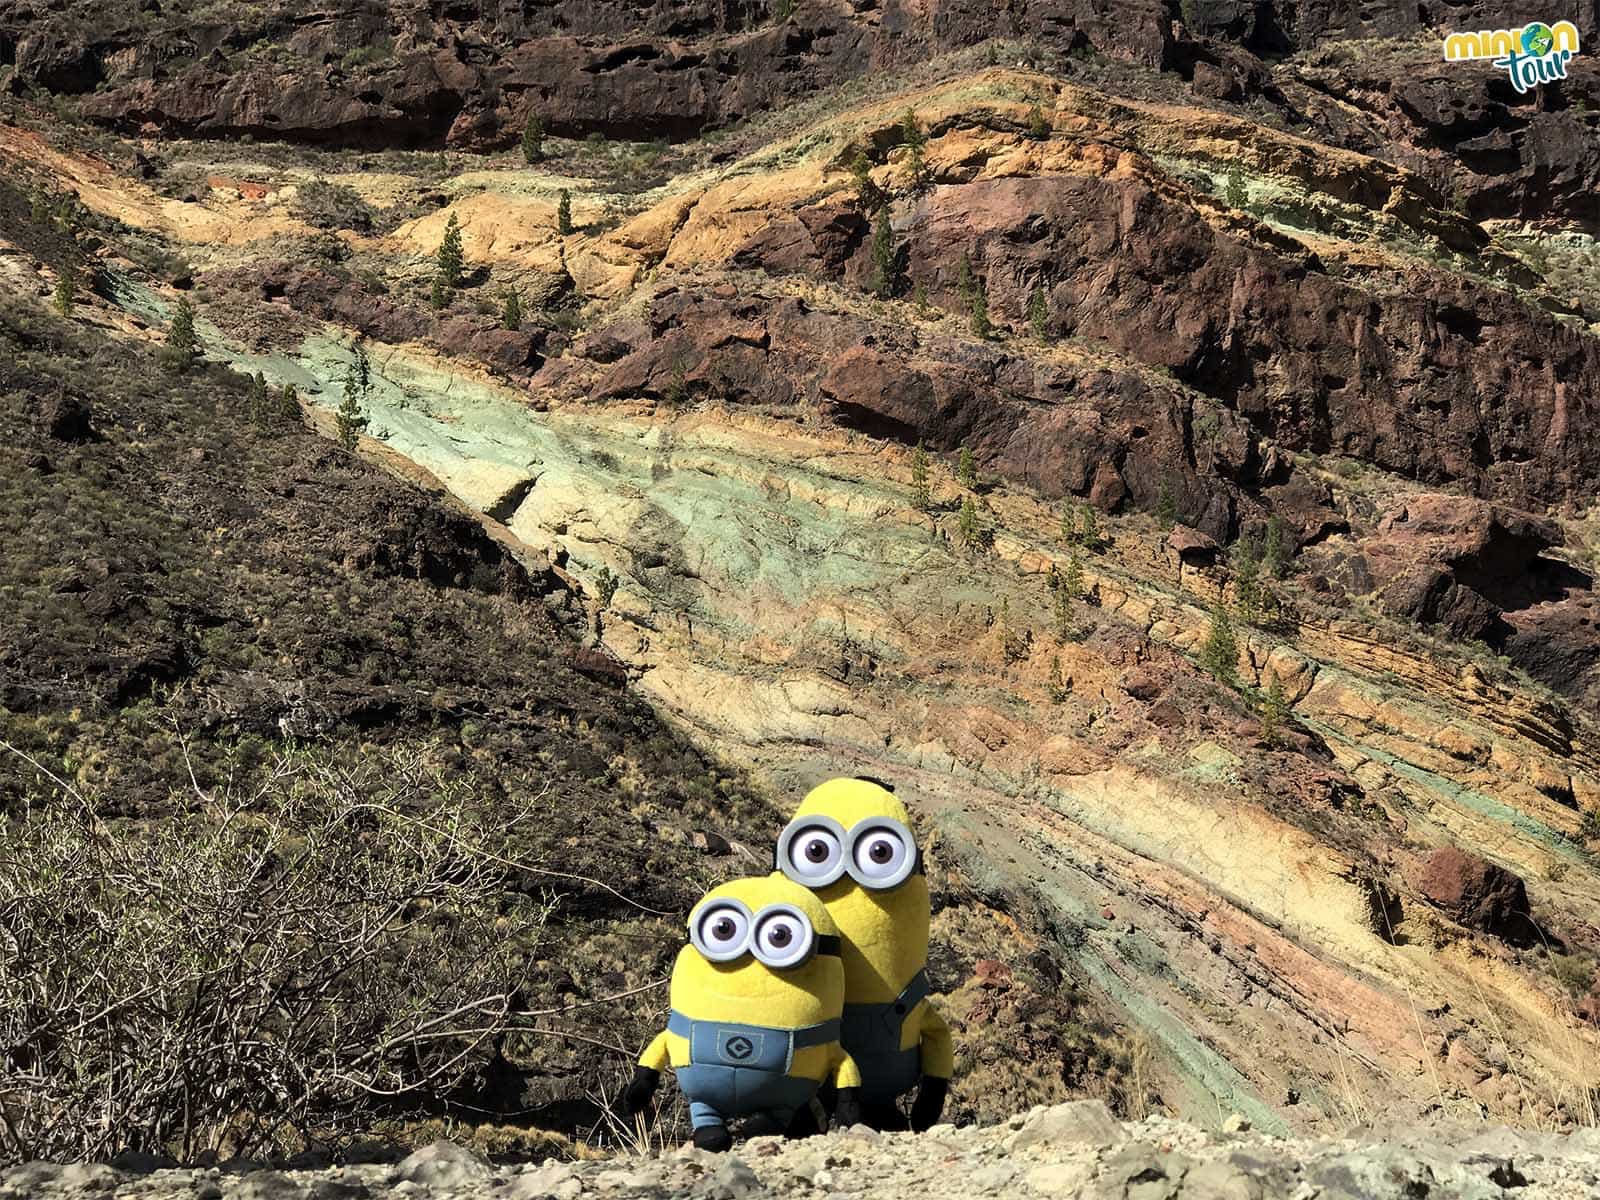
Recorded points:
(845, 1072)
(655, 1055)
(938, 1050)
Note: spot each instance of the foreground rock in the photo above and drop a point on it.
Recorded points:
(1071, 1150)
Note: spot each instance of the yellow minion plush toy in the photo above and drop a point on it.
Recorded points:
(756, 999)
(850, 842)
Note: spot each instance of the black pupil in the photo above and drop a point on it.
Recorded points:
(723, 930)
(881, 852)
(816, 851)
(780, 935)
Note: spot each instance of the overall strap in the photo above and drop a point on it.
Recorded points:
(817, 1035)
(913, 994)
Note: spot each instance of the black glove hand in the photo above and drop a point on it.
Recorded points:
(929, 1104)
(847, 1109)
(643, 1086)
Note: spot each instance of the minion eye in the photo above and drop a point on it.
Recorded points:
(882, 855)
(783, 937)
(721, 931)
(811, 851)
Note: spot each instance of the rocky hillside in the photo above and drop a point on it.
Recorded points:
(1218, 319)
(1071, 1152)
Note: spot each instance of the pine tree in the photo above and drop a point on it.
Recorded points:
(1038, 124)
(289, 402)
(350, 420)
(533, 139)
(439, 297)
(449, 256)
(183, 344)
(916, 143)
(1274, 711)
(919, 297)
(1069, 522)
(1234, 191)
(921, 495)
(1062, 617)
(1247, 580)
(885, 257)
(978, 305)
(1219, 654)
(967, 468)
(967, 527)
(1275, 551)
(966, 281)
(359, 374)
(1089, 529)
(1039, 312)
(260, 405)
(1059, 687)
(564, 213)
(1166, 506)
(868, 193)
(511, 314)
(66, 291)
(1072, 578)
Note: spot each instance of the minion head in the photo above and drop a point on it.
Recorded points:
(851, 842)
(765, 947)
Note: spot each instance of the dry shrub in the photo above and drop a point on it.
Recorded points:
(266, 970)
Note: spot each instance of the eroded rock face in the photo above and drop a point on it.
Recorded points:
(1476, 893)
(1456, 561)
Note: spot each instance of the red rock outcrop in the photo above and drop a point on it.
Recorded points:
(1476, 893)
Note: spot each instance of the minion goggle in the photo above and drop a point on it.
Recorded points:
(879, 853)
(779, 935)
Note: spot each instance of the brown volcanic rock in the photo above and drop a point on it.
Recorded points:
(1476, 893)
(1313, 361)
(1468, 133)
(1080, 428)
(470, 80)
(1459, 561)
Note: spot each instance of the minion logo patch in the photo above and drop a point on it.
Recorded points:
(738, 1047)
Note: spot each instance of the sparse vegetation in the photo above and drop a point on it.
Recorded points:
(1038, 124)
(300, 975)
(329, 205)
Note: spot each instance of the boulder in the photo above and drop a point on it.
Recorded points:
(443, 1164)
(1193, 546)
(1477, 893)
